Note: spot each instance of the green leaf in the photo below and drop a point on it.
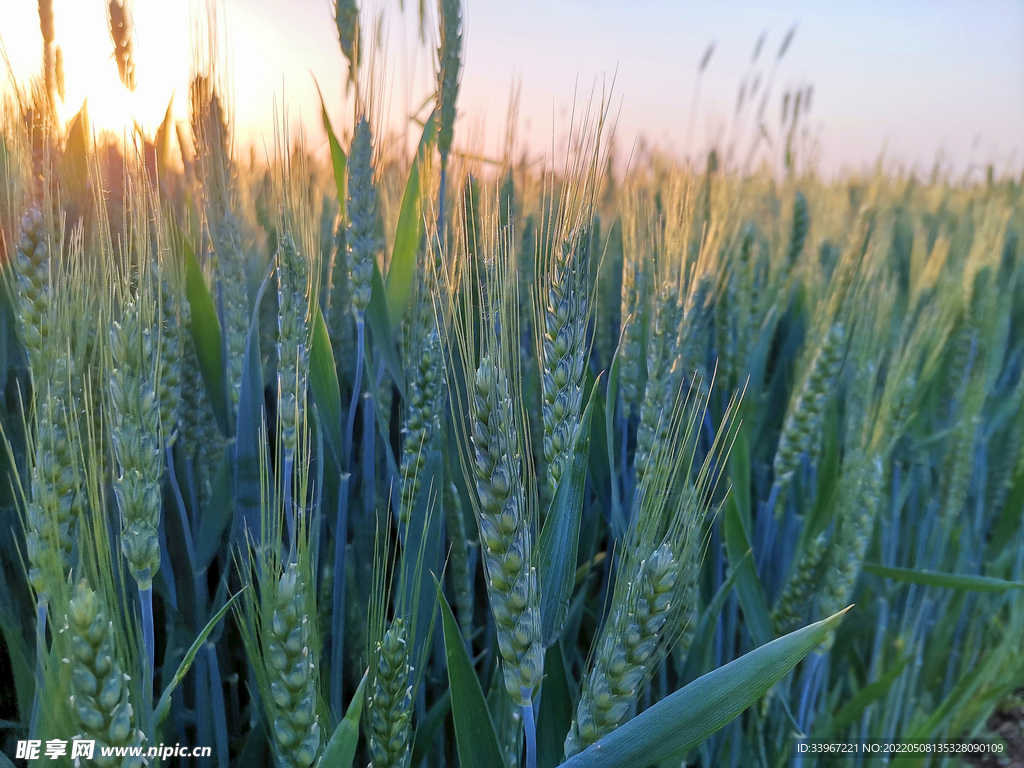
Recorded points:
(163, 139)
(559, 540)
(474, 732)
(205, 333)
(739, 472)
(422, 546)
(340, 751)
(1008, 519)
(611, 398)
(748, 586)
(828, 472)
(408, 232)
(600, 479)
(555, 717)
(380, 324)
(164, 705)
(323, 381)
(947, 580)
(681, 721)
(74, 164)
(758, 360)
(248, 472)
(855, 707)
(217, 515)
(338, 159)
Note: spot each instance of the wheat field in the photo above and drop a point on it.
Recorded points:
(418, 458)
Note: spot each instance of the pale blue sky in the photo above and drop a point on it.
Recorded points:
(912, 78)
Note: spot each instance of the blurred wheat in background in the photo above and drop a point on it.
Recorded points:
(426, 457)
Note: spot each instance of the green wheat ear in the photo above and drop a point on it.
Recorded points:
(449, 54)
(346, 18)
(798, 232)
(800, 586)
(277, 614)
(803, 419)
(566, 317)
(293, 672)
(170, 354)
(610, 689)
(135, 431)
(492, 446)
(390, 703)
(232, 279)
(655, 591)
(293, 323)
(637, 279)
(31, 267)
(99, 687)
(361, 240)
(662, 372)
(425, 400)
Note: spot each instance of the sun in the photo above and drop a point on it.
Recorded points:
(161, 53)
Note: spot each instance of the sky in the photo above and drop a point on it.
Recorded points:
(906, 82)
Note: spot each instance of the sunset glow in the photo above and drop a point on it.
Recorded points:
(880, 90)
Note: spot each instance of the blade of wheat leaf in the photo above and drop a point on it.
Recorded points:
(474, 732)
(324, 384)
(408, 232)
(965, 581)
(164, 704)
(339, 162)
(206, 333)
(682, 720)
(340, 751)
(748, 586)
